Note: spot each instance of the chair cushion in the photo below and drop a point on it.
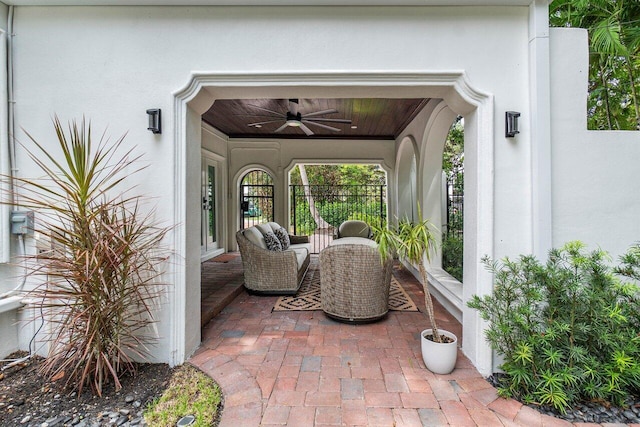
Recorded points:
(354, 228)
(306, 246)
(254, 235)
(301, 256)
(354, 241)
(283, 236)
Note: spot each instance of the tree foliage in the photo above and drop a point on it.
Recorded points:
(453, 155)
(614, 63)
(341, 175)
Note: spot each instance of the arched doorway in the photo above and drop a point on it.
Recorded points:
(213, 207)
(452, 88)
(256, 198)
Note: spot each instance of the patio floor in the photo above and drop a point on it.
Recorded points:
(299, 368)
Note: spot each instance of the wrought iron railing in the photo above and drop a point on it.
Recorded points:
(452, 244)
(317, 210)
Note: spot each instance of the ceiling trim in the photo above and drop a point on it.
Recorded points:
(332, 3)
(203, 88)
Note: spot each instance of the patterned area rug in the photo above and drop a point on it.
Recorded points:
(308, 296)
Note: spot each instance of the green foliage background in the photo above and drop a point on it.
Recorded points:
(614, 63)
(341, 175)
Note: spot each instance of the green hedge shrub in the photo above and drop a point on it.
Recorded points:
(567, 330)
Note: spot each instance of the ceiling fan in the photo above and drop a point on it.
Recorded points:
(293, 118)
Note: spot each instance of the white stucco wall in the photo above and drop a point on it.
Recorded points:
(113, 63)
(596, 176)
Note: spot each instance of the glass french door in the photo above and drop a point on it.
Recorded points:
(211, 192)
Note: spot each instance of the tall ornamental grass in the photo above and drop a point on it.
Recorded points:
(98, 284)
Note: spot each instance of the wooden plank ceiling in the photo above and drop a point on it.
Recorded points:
(371, 118)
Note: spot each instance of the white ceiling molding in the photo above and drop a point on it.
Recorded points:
(268, 2)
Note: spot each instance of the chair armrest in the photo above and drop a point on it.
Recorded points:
(298, 239)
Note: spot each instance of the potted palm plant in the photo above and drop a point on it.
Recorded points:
(413, 242)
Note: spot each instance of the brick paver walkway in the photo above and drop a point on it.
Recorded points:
(303, 369)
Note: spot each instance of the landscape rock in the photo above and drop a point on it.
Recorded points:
(36, 402)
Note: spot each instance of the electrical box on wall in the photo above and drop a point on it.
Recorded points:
(22, 222)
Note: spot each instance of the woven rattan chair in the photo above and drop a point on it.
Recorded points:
(273, 272)
(354, 283)
(353, 228)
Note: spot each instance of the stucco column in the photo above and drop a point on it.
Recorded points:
(540, 128)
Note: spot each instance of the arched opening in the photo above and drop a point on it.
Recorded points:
(323, 196)
(407, 179)
(256, 198)
(450, 88)
(453, 184)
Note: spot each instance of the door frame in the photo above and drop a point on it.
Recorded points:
(209, 157)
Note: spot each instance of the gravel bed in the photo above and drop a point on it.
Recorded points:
(27, 399)
(591, 412)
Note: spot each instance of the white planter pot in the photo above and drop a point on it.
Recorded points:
(439, 358)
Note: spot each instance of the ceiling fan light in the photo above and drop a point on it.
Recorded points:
(293, 123)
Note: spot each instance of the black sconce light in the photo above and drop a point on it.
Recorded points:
(511, 124)
(155, 120)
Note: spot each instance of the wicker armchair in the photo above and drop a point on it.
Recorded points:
(273, 272)
(353, 228)
(354, 283)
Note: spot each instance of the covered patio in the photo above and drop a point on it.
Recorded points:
(300, 368)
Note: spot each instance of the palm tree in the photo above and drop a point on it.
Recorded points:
(413, 241)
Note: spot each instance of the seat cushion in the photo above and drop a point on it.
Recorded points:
(301, 256)
(306, 246)
(354, 241)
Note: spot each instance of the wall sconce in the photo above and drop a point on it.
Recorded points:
(155, 120)
(511, 124)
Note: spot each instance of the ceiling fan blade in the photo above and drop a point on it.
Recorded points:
(319, 113)
(266, 109)
(322, 126)
(281, 128)
(320, 119)
(264, 123)
(294, 106)
(305, 129)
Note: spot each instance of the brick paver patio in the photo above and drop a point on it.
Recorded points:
(304, 369)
